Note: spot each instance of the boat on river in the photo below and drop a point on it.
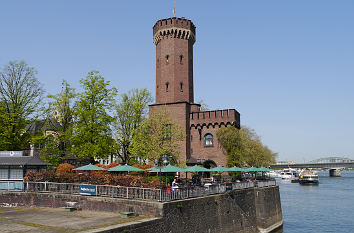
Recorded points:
(273, 174)
(308, 177)
(290, 174)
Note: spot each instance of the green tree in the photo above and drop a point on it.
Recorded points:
(130, 113)
(156, 137)
(56, 136)
(20, 104)
(92, 131)
(244, 147)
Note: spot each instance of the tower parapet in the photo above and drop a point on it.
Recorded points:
(173, 27)
(217, 117)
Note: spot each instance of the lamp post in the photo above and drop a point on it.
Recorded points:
(158, 164)
(165, 163)
(164, 160)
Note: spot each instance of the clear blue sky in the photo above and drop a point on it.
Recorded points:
(286, 66)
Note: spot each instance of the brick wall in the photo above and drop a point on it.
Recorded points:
(178, 112)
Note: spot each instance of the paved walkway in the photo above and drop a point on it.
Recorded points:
(24, 219)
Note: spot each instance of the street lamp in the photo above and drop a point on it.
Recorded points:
(165, 163)
(158, 164)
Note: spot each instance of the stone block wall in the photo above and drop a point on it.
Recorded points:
(56, 200)
(245, 211)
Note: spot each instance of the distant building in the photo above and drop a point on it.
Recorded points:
(174, 39)
(14, 166)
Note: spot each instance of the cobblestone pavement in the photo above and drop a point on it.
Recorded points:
(24, 219)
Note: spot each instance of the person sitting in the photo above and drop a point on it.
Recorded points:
(174, 185)
(168, 188)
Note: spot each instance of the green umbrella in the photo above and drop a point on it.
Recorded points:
(251, 169)
(170, 168)
(264, 169)
(220, 169)
(196, 168)
(90, 167)
(235, 169)
(153, 169)
(125, 168)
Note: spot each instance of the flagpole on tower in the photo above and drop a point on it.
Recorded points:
(174, 8)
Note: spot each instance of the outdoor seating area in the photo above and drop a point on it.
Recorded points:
(201, 176)
(174, 182)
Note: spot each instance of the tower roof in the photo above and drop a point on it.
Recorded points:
(178, 27)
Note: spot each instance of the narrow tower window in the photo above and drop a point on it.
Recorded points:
(167, 56)
(180, 59)
(167, 86)
(181, 86)
(208, 140)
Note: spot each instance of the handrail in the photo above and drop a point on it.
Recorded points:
(132, 192)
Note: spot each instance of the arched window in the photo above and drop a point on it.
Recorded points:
(167, 56)
(167, 83)
(208, 140)
(181, 86)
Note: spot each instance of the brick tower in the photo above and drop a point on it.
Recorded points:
(174, 39)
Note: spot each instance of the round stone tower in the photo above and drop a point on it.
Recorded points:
(174, 39)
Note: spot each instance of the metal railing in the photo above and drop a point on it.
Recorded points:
(168, 194)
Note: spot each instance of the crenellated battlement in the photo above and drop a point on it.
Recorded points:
(173, 27)
(226, 116)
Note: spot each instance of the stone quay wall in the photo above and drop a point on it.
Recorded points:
(249, 210)
(57, 200)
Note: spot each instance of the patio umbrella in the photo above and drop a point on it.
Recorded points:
(220, 169)
(235, 169)
(170, 168)
(251, 169)
(196, 168)
(90, 167)
(264, 169)
(153, 169)
(125, 168)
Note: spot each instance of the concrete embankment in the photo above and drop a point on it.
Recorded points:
(247, 210)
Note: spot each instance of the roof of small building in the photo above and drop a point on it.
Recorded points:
(22, 161)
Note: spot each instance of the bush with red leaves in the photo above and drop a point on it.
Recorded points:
(99, 178)
(64, 168)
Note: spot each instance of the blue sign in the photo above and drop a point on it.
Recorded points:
(86, 189)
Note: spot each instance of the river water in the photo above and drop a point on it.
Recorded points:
(327, 207)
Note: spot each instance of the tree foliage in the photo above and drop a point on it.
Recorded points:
(92, 132)
(244, 147)
(157, 136)
(20, 102)
(56, 136)
(130, 113)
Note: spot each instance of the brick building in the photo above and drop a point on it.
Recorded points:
(174, 39)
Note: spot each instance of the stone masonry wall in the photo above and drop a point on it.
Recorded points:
(249, 210)
(56, 200)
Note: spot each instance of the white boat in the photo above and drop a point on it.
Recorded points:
(290, 174)
(273, 174)
(308, 177)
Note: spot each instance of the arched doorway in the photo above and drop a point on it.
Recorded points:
(208, 164)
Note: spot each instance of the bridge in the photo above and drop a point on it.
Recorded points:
(333, 164)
